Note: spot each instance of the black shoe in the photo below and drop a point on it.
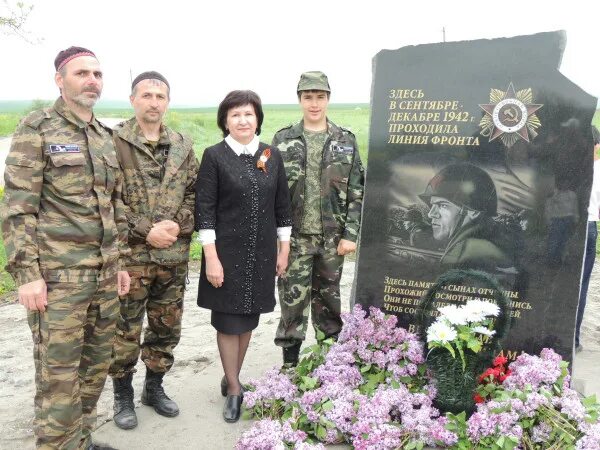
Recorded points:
(233, 408)
(224, 386)
(154, 395)
(100, 447)
(291, 355)
(124, 411)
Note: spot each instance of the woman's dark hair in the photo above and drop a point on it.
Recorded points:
(235, 99)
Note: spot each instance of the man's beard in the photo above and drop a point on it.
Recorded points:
(84, 100)
(147, 118)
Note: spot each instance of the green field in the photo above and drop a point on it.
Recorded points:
(200, 124)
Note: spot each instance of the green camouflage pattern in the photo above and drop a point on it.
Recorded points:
(311, 221)
(342, 181)
(313, 81)
(62, 213)
(157, 290)
(311, 286)
(63, 221)
(73, 341)
(154, 191)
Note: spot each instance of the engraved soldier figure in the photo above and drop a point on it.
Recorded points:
(463, 202)
(65, 231)
(159, 167)
(326, 180)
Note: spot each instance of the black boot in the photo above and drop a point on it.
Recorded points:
(124, 412)
(154, 395)
(290, 356)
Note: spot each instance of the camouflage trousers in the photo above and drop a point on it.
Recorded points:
(73, 341)
(157, 291)
(312, 283)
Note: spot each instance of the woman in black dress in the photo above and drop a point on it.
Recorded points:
(242, 209)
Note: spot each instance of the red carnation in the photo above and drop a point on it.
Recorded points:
(500, 361)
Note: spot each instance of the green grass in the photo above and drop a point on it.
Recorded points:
(8, 123)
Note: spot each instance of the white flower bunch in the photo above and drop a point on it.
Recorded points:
(463, 327)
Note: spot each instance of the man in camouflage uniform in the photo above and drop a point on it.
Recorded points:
(160, 169)
(64, 229)
(326, 179)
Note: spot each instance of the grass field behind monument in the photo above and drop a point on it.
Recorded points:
(201, 125)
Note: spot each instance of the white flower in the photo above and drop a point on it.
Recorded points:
(440, 331)
(453, 314)
(484, 330)
(477, 310)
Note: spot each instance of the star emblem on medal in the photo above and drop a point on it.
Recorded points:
(510, 116)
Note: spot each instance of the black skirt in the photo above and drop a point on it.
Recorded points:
(233, 323)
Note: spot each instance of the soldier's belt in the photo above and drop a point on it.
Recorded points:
(76, 275)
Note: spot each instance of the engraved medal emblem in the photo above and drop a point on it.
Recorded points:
(510, 116)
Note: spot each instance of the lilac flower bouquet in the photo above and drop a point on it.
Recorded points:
(533, 408)
(370, 390)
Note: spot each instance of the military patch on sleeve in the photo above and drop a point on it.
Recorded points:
(64, 148)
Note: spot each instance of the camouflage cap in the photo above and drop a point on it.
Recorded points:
(313, 81)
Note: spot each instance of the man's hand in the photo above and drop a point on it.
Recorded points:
(123, 282)
(345, 246)
(34, 295)
(159, 236)
(170, 226)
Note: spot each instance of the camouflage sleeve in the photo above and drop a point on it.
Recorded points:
(23, 185)
(283, 208)
(276, 140)
(356, 184)
(207, 193)
(185, 214)
(121, 218)
(138, 224)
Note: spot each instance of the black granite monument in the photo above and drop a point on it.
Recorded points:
(480, 156)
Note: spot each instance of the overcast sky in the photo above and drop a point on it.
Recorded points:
(207, 48)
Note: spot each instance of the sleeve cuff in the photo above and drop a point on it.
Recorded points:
(27, 275)
(349, 236)
(142, 228)
(284, 233)
(185, 219)
(207, 236)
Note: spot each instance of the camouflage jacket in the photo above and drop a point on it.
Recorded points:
(63, 219)
(153, 192)
(342, 179)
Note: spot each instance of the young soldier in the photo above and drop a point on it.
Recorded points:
(160, 169)
(326, 179)
(64, 228)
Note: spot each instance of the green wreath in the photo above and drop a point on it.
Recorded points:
(456, 385)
